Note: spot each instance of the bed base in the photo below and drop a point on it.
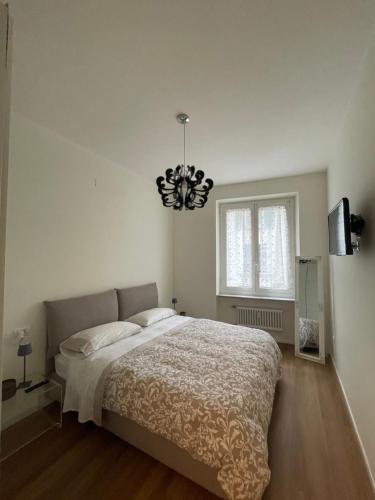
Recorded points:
(162, 450)
(158, 447)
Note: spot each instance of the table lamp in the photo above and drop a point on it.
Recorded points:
(24, 349)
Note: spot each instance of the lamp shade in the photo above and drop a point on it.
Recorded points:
(24, 349)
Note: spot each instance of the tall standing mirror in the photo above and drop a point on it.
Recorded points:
(309, 309)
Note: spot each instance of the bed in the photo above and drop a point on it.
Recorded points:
(196, 395)
(309, 334)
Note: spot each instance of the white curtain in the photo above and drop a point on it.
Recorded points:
(239, 248)
(274, 248)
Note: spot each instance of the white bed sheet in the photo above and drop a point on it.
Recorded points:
(82, 375)
(61, 366)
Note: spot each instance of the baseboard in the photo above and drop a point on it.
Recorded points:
(367, 463)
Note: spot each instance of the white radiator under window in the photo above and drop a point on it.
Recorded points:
(267, 319)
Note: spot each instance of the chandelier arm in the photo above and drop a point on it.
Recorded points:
(206, 187)
(184, 144)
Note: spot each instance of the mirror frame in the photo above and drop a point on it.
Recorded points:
(322, 357)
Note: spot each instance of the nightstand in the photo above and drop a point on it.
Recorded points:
(26, 416)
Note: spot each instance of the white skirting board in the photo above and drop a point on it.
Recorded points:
(372, 479)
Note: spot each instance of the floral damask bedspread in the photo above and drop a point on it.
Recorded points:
(208, 387)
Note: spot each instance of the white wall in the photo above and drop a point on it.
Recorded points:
(195, 244)
(352, 174)
(5, 76)
(77, 224)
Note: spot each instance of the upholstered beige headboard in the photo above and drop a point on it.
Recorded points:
(69, 316)
(136, 299)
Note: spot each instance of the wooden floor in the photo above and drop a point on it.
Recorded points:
(314, 454)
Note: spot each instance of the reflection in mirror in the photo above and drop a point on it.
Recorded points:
(308, 307)
(309, 318)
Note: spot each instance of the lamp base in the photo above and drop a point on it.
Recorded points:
(24, 385)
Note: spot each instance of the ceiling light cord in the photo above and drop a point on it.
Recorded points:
(183, 168)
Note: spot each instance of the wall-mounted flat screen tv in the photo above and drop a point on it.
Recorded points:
(340, 242)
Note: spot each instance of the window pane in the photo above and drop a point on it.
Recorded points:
(238, 227)
(274, 248)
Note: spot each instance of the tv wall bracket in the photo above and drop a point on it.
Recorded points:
(357, 224)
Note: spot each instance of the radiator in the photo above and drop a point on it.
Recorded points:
(267, 319)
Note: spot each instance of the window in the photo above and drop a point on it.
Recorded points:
(257, 248)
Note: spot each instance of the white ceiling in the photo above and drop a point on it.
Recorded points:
(266, 82)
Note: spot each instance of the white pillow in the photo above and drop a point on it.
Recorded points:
(147, 318)
(85, 342)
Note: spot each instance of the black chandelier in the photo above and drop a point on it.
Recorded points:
(184, 186)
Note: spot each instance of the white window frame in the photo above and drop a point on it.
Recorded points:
(254, 203)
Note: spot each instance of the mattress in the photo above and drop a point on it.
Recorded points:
(61, 366)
